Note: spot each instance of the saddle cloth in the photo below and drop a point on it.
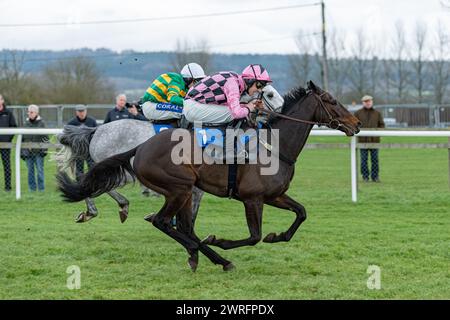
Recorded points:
(242, 145)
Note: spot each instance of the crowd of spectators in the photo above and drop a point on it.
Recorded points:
(35, 157)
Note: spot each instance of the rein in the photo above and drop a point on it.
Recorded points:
(332, 123)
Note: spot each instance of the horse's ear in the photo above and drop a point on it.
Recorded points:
(311, 86)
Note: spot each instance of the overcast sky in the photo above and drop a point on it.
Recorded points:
(266, 32)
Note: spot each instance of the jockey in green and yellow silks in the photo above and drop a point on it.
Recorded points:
(164, 98)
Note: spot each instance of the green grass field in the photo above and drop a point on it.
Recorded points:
(401, 225)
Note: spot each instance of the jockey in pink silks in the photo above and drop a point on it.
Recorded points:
(216, 99)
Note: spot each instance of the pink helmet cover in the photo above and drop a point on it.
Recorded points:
(257, 72)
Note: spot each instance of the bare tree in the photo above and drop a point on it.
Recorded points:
(418, 57)
(76, 80)
(373, 74)
(358, 75)
(399, 47)
(186, 52)
(338, 66)
(301, 64)
(440, 63)
(386, 67)
(17, 86)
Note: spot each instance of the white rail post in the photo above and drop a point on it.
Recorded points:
(353, 168)
(17, 158)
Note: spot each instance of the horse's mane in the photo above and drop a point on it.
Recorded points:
(292, 97)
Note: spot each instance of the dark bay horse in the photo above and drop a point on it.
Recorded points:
(154, 167)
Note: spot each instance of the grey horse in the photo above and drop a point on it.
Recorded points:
(81, 143)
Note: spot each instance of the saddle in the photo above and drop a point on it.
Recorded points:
(212, 138)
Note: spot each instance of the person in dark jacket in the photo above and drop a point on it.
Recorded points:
(81, 119)
(370, 118)
(121, 112)
(35, 157)
(7, 120)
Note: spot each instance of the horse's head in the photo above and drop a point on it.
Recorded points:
(271, 99)
(333, 113)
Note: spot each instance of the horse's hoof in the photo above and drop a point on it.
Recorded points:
(150, 217)
(123, 213)
(80, 218)
(193, 264)
(123, 216)
(269, 238)
(84, 217)
(229, 267)
(209, 239)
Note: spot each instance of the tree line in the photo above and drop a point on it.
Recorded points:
(411, 66)
(75, 80)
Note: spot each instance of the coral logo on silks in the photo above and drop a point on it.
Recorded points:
(169, 107)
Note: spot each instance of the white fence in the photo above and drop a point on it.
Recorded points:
(353, 156)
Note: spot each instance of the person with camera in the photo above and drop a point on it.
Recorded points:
(123, 110)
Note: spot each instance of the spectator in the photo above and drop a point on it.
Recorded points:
(81, 119)
(121, 112)
(370, 118)
(7, 120)
(35, 157)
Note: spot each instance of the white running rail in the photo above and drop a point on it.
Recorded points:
(353, 169)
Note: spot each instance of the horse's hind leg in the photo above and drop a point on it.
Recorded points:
(123, 204)
(197, 195)
(185, 224)
(91, 211)
(162, 219)
(285, 202)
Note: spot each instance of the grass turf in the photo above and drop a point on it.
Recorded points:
(401, 225)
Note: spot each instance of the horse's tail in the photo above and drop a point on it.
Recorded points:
(75, 141)
(104, 176)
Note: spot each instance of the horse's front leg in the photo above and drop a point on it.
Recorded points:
(253, 213)
(285, 202)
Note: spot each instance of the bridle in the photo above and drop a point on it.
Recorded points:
(333, 123)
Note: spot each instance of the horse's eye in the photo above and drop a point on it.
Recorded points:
(270, 95)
